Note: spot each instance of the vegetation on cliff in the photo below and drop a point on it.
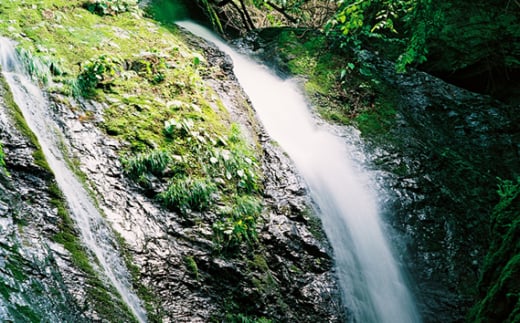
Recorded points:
(473, 45)
(499, 287)
(180, 146)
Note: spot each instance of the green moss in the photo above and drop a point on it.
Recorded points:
(306, 55)
(378, 121)
(158, 79)
(21, 124)
(499, 285)
(191, 266)
(2, 159)
(106, 302)
(27, 314)
(342, 92)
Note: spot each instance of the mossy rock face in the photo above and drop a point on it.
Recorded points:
(32, 283)
(141, 109)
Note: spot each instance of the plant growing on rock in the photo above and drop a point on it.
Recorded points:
(239, 222)
(98, 72)
(150, 65)
(235, 162)
(155, 162)
(189, 194)
(110, 7)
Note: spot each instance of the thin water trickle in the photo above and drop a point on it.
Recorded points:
(373, 285)
(95, 232)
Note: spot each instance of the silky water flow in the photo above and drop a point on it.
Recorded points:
(373, 285)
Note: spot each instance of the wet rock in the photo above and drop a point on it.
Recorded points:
(437, 167)
(440, 168)
(37, 277)
(287, 276)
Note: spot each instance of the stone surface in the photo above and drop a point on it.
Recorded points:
(437, 169)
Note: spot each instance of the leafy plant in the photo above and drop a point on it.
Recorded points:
(100, 71)
(151, 65)
(110, 7)
(387, 21)
(155, 162)
(182, 127)
(235, 162)
(239, 222)
(189, 194)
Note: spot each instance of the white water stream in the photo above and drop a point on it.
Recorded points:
(95, 233)
(373, 285)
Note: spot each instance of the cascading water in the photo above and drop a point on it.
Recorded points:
(373, 285)
(95, 233)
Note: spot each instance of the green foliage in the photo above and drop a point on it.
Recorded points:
(396, 23)
(235, 163)
(151, 65)
(239, 222)
(98, 72)
(192, 267)
(242, 318)
(499, 284)
(154, 162)
(2, 158)
(40, 68)
(110, 7)
(189, 194)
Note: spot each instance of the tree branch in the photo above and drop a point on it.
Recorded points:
(282, 11)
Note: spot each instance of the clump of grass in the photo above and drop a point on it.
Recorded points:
(189, 194)
(154, 162)
(238, 223)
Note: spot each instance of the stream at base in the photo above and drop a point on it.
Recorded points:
(374, 288)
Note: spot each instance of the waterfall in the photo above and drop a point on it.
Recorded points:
(373, 286)
(95, 232)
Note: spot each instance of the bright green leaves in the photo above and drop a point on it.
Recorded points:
(189, 194)
(238, 223)
(384, 20)
(110, 7)
(98, 72)
(204, 171)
